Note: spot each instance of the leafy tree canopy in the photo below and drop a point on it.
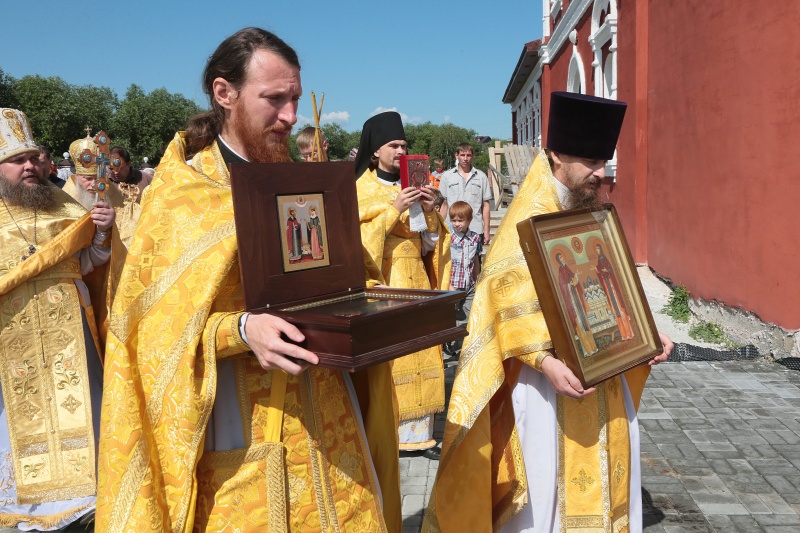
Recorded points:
(435, 140)
(60, 113)
(144, 123)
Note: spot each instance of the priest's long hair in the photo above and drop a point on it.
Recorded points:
(229, 61)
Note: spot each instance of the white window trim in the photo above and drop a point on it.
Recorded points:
(602, 34)
(569, 20)
(576, 72)
(519, 106)
(599, 37)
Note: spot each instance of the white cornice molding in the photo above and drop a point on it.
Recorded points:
(533, 77)
(569, 20)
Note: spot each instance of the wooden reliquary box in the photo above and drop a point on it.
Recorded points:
(301, 259)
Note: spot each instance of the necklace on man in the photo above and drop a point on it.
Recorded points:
(31, 247)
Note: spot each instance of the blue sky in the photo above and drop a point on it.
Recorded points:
(430, 61)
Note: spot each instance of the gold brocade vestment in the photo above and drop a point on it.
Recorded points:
(393, 257)
(175, 316)
(481, 482)
(43, 350)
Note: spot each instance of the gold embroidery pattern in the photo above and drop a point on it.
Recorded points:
(619, 471)
(46, 392)
(562, 494)
(584, 522)
(71, 404)
(20, 345)
(540, 357)
(519, 310)
(583, 480)
(310, 416)
(66, 370)
(156, 291)
(15, 125)
(24, 378)
(28, 410)
(527, 349)
(59, 304)
(605, 473)
(503, 287)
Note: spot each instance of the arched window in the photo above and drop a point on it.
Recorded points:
(576, 80)
(603, 40)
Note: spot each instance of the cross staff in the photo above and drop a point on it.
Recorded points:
(101, 183)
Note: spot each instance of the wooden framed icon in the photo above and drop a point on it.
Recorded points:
(591, 296)
(301, 258)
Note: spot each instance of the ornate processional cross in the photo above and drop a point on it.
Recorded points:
(87, 157)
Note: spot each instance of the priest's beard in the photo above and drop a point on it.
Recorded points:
(39, 196)
(585, 198)
(84, 197)
(261, 146)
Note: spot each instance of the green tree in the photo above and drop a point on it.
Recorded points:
(340, 142)
(60, 112)
(434, 140)
(145, 123)
(447, 139)
(7, 96)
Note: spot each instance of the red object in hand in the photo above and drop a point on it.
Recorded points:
(414, 171)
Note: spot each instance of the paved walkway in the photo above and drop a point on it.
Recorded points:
(720, 445)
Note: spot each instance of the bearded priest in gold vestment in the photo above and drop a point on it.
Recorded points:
(81, 186)
(54, 294)
(406, 246)
(526, 447)
(215, 420)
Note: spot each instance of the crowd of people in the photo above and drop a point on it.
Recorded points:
(138, 395)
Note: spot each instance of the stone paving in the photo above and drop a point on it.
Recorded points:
(720, 450)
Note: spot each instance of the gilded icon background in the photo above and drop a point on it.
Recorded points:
(303, 231)
(585, 269)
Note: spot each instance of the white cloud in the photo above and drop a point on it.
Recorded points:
(405, 118)
(447, 119)
(341, 117)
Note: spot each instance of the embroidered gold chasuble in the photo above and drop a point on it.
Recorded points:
(126, 209)
(43, 366)
(393, 257)
(175, 316)
(481, 481)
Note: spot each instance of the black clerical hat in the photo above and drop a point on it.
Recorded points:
(584, 126)
(377, 131)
